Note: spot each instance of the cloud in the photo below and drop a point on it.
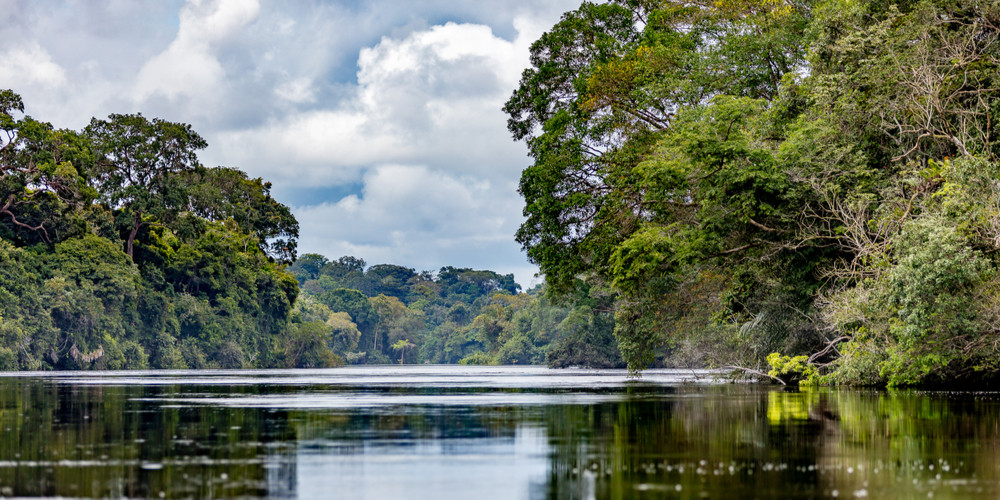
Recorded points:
(31, 65)
(297, 91)
(388, 110)
(412, 199)
(424, 135)
(189, 67)
(433, 96)
(419, 217)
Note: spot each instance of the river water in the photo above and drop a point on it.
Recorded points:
(439, 432)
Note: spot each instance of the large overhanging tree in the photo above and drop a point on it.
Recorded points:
(765, 173)
(606, 84)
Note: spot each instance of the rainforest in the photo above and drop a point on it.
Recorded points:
(120, 250)
(804, 190)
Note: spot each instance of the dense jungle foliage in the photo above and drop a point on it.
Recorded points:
(812, 179)
(809, 187)
(119, 250)
(388, 313)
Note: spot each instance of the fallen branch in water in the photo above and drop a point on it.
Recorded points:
(755, 372)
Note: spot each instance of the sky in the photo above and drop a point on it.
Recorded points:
(378, 122)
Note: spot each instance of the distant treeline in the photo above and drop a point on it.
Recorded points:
(389, 313)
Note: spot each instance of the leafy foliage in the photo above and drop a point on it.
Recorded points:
(389, 313)
(118, 250)
(807, 177)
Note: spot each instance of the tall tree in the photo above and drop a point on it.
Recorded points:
(390, 279)
(227, 193)
(137, 165)
(611, 88)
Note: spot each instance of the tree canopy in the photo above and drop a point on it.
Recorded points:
(118, 249)
(449, 316)
(796, 176)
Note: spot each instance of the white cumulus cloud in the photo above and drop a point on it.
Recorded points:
(379, 122)
(417, 216)
(425, 137)
(434, 96)
(189, 67)
(30, 64)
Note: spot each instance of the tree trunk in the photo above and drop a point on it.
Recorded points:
(131, 236)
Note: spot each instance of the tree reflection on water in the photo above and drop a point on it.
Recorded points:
(637, 440)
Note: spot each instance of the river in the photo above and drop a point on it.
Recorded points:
(438, 432)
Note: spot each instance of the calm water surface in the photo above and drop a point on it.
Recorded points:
(483, 433)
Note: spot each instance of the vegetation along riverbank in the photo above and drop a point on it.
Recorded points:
(120, 250)
(806, 178)
(803, 188)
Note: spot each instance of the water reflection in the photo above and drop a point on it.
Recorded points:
(460, 432)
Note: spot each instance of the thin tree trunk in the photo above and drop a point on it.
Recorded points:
(131, 236)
